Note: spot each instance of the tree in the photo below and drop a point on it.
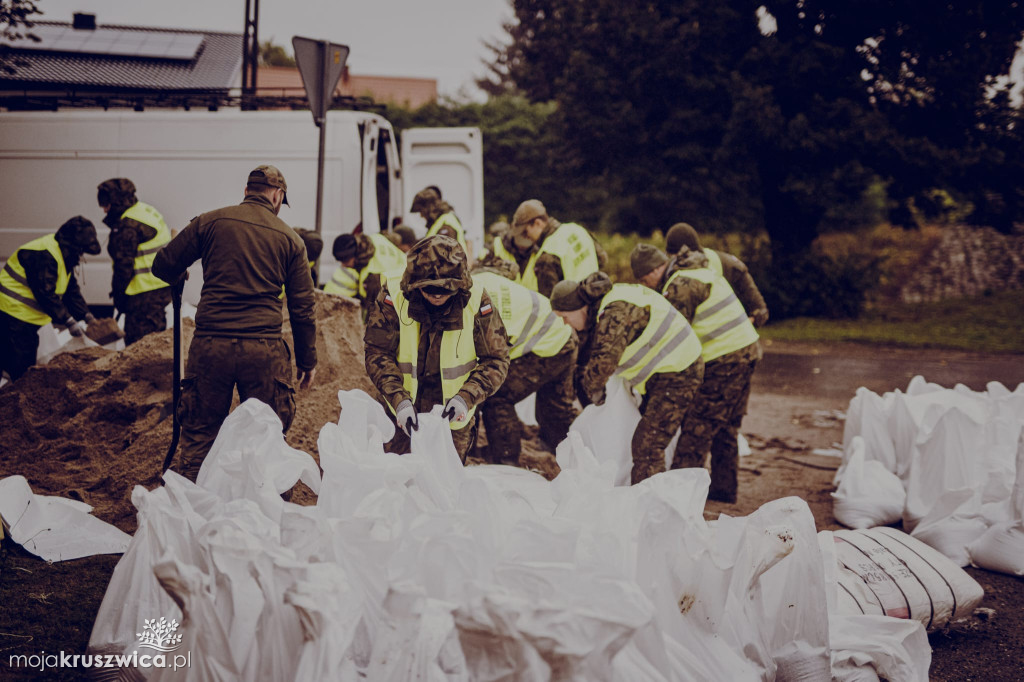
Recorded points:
(15, 25)
(274, 55)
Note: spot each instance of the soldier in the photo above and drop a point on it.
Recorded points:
(363, 258)
(38, 286)
(495, 232)
(137, 232)
(314, 247)
(403, 237)
(546, 250)
(732, 268)
(543, 357)
(439, 214)
(249, 255)
(635, 334)
(419, 349)
(730, 351)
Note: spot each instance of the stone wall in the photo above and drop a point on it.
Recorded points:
(968, 261)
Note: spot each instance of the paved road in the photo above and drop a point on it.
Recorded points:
(835, 372)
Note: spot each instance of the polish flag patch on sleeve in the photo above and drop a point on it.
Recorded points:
(486, 309)
(387, 299)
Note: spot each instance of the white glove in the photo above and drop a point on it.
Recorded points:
(77, 328)
(406, 417)
(456, 410)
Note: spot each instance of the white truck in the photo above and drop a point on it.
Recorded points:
(187, 162)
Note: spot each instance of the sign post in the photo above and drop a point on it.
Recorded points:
(321, 64)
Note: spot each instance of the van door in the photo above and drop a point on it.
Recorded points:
(370, 212)
(453, 160)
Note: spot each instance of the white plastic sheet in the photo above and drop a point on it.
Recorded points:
(54, 528)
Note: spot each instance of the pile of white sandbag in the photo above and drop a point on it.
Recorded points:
(948, 463)
(415, 567)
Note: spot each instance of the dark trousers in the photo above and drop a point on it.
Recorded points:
(259, 368)
(147, 314)
(19, 343)
(666, 401)
(713, 425)
(552, 380)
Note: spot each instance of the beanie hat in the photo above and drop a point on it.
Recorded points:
(565, 296)
(405, 234)
(645, 259)
(680, 235)
(344, 247)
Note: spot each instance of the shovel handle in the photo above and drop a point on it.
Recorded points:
(176, 291)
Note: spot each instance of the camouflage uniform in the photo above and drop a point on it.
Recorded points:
(435, 261)
(667, 397)
(548, 267)
(716, 416)
(431, 206)
(144, 312)
(551, 379)
(238, 342)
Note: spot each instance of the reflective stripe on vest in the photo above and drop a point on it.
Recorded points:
(144, 280)
(451, 221)
(668, 344)
(574, 248)
(458, 348)
(386, 257)
(532, 326)
(721, 322)
(344, 282)
(16, 297)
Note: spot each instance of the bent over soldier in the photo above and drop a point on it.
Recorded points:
(543, 357)
(251, 261)
(633, 333)
(363, 259)
(137, 232)
(730, 350)
(433, 337)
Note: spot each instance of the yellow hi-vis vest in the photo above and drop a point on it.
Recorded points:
(451, 221)
(573, 246)
(720, 321)
(344, 282)
(144, 280)
(531, 324)
(714, 261)
(16, 298)
(458, 348)
(668, 344)
(386, 258)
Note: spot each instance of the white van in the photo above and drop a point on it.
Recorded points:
(187, 162)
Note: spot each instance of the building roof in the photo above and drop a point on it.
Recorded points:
(409, 92)
(123, 59)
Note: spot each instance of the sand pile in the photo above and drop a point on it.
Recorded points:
(94, 423)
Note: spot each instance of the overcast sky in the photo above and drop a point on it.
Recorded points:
(440, 39)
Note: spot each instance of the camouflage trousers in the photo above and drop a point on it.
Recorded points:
(148, 313)
(551, 379)
(666, 401)
(713, 424)
(463, 438)
(259, 368)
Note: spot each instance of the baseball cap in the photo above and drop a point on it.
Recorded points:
(269, 176)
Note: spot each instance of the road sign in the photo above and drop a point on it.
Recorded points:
(321, 64)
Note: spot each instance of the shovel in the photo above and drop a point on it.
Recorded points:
(176, 291)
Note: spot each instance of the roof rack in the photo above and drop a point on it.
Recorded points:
(27, 100)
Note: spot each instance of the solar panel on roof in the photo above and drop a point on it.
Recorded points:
(108, 41)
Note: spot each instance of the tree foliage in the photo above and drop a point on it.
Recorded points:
(274, 55)
(15, 25)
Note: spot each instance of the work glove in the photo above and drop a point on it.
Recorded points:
(89, 318)
(456, 410)
(77, 328)
(406, 417)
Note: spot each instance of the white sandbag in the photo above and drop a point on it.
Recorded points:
(417, 641)
(526, 410)
(607, 429)
(867, 418)
(53, 528)
(886, 572)
(868, 494)
(1001, 548)
(250, 459)
(866, 648)
(954, 520)
(331, 616)
(52, 343)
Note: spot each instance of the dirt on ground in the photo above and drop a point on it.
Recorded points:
(94, 423)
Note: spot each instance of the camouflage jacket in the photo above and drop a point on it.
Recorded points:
(382, 337)
(735, 272)
(548, 268)
(602, 345)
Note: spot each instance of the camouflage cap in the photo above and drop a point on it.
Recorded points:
(645, 259)
(498, 266)
(436, 261)
(425, 198)
(80, 234)
(269, 176)
(680, 235)
(406, 235)
(529, 210)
